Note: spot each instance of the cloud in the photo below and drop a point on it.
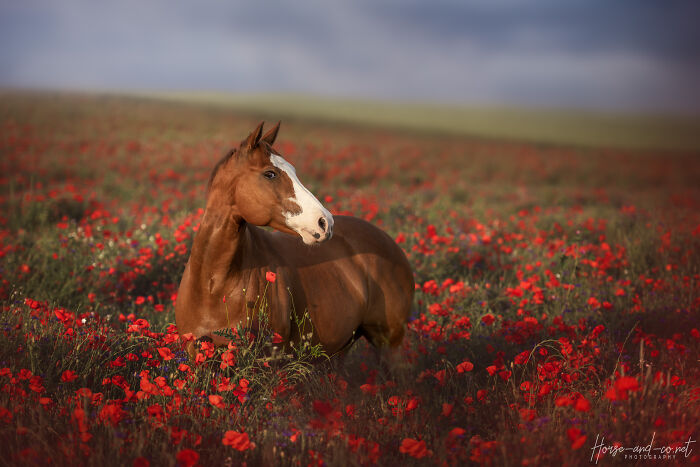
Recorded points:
(626, 55)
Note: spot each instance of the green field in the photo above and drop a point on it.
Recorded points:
(534, 125)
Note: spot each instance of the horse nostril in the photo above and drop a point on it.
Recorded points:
(322, 224)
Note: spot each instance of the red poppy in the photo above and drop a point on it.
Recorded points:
(277, 339)
(577, 439)
(414, 448)
(447, 409)
(270, 276)
(322, 408)
(370, 389)
(582, 404)
(165, 353)
(227, 359)
(238, 441)
(488, 319)
(68, 376)
(216, 401)
(187, 458)
(465, 366)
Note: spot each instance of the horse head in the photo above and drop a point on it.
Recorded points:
(263, 189)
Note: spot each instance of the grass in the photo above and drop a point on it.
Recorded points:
(557, 303)
(571, 127)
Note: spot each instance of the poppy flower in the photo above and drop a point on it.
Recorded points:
(488, 319)
(187, 458)
(68, 376)
(270, 276)
(165, 353)
(414, 448)
(582, 404)
(216, 401)
(576, 437)
(277, 339)
(465, 366)
(627, 383)
(238, 441)
(447, 409)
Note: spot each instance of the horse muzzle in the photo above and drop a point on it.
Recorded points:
(318, 231)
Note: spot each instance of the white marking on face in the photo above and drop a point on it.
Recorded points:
(308, 222)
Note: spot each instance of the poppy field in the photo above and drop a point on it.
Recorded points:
(556, 318)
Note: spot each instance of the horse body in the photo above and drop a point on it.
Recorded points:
(351, 278)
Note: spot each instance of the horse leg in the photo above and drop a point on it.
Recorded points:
(191, 349)
(387, 348)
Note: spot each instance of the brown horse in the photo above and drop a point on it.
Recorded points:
(351, 277)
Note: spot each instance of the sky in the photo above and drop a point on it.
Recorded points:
(613, 55)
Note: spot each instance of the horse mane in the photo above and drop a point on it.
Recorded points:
(218, 165)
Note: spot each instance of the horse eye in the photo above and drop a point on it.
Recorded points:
(270, 174)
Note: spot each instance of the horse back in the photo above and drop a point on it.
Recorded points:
(360, 280)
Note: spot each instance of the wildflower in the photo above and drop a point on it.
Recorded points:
(563, 401)
(216, 401)
(620, 389)
(577, 439)
(227, 359)
(447, 409)
(322, 408)
(236, 440)
(277, 339)
(165, 353)
(270, 276)
(527, 415)
(456, 433)
(488, 319)
(370, 389)
(522, 357)
(465, 366)
(415, 448)
(440, 376)
(187, 458)
(350, 410)
(68, 376)
(582, 404)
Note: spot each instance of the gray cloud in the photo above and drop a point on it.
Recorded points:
(592, 54)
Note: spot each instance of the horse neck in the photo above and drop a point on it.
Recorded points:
(220, 238)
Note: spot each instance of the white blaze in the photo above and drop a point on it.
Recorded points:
(306, 223)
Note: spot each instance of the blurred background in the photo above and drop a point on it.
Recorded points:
(631, 57)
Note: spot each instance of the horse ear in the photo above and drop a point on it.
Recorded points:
(254, 137)
(271, 135)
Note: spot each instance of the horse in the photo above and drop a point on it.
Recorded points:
(350, 277)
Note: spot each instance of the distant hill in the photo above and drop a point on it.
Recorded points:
(547, 126)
